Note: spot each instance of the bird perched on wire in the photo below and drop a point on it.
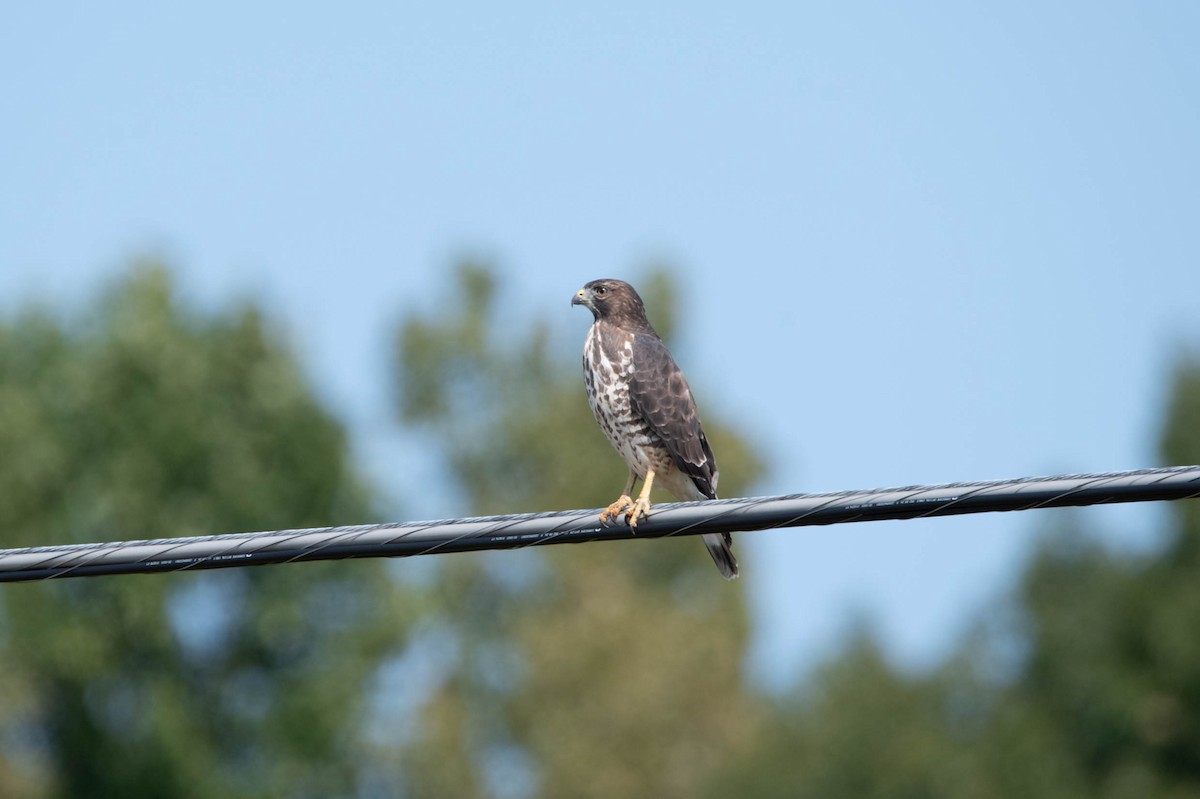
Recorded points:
(642, 402)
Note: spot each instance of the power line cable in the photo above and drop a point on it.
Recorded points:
(577, 526)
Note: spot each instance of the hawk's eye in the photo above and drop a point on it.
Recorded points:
(600, 291)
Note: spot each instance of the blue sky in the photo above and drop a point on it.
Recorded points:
(919, 242)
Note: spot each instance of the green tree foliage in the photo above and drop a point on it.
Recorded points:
(145, 420)
(605, 670)
(1104, 702)
(1115, 649)
(611, 669)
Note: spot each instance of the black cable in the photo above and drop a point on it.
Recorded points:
(575, 526)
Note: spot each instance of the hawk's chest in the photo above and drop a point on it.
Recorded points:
(607, 370)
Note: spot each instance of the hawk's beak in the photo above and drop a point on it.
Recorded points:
(580, 298)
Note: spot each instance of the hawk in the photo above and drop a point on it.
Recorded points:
(642, 402)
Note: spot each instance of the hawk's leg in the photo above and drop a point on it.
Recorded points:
(641, 508)
(614, 510)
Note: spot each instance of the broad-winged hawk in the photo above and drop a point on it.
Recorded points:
(642, 402)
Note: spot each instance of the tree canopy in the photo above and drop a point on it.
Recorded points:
(620, 666)
(143, 418)
(611, 669)
(1103, 699)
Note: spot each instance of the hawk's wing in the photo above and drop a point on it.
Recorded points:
(659, 393)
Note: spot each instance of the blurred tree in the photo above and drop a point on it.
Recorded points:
(1115, 654)
(146, 420)
(1105, 701)
(601, 671)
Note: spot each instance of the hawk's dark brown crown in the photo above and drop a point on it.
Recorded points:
(615, 301)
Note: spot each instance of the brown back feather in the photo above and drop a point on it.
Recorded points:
(659, 393)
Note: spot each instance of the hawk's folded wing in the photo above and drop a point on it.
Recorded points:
(659, 393)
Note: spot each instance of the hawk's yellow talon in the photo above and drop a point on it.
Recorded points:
(614, 510)
(640, 510)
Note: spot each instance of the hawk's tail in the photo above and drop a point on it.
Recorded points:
(720, 546)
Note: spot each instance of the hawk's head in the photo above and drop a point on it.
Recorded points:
(613, 301)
